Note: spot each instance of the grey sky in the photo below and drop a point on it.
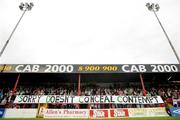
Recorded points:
(89, 32)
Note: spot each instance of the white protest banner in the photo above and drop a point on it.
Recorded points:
(88, 99)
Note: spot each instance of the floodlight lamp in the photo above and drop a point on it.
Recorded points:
(22, 6)
(157, 7)
(147, 4)
(31, 4)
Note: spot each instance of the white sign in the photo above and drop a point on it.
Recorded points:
(64, 113)
(20, 113)
(147, 112)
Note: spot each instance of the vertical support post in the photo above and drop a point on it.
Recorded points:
(79, 85)
(15, 86)
(142, 83)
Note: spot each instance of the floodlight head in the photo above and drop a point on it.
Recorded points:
(152, 7)
(26, 6)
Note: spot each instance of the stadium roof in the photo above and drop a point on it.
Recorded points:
(89, 32)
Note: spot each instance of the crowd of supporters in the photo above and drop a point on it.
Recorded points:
(7, 95)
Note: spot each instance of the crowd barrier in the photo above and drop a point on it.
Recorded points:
(83, 113)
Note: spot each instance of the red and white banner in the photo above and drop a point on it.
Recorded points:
(98, 113)
(114, 113)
